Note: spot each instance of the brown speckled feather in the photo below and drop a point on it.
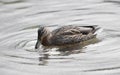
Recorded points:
(70, 39)
(72, 30)
(71, 35)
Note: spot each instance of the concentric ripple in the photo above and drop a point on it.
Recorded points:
(20, 20)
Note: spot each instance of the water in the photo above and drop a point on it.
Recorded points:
(20, 19)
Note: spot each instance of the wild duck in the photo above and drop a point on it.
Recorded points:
(66, 35)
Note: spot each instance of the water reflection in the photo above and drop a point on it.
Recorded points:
(43, 59)
(44, 52)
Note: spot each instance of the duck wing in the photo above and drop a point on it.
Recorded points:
(72, 34)
(66, 30)
(73, 30)
(61, 40)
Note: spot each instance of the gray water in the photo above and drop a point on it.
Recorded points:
(20, 19)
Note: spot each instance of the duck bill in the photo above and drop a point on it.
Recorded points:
(37, 44)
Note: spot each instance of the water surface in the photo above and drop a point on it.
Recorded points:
(20, 19)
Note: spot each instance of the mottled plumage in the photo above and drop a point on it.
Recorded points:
(66, 35)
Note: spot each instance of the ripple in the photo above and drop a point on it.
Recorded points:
(113, 1)
(19, 27)
(11, 1)
(45, 12)
(103, 69)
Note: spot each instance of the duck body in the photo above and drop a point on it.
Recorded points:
(66, 35)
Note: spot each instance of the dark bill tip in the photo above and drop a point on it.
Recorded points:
(37, 44)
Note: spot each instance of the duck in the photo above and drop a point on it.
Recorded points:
(65, 35)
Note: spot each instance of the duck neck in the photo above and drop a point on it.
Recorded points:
(45, 38)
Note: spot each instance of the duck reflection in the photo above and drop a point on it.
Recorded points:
(64, 51)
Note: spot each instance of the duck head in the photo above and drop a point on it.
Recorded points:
(42, 32)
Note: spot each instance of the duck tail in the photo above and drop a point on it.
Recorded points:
(97, 29)
(94, 27)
